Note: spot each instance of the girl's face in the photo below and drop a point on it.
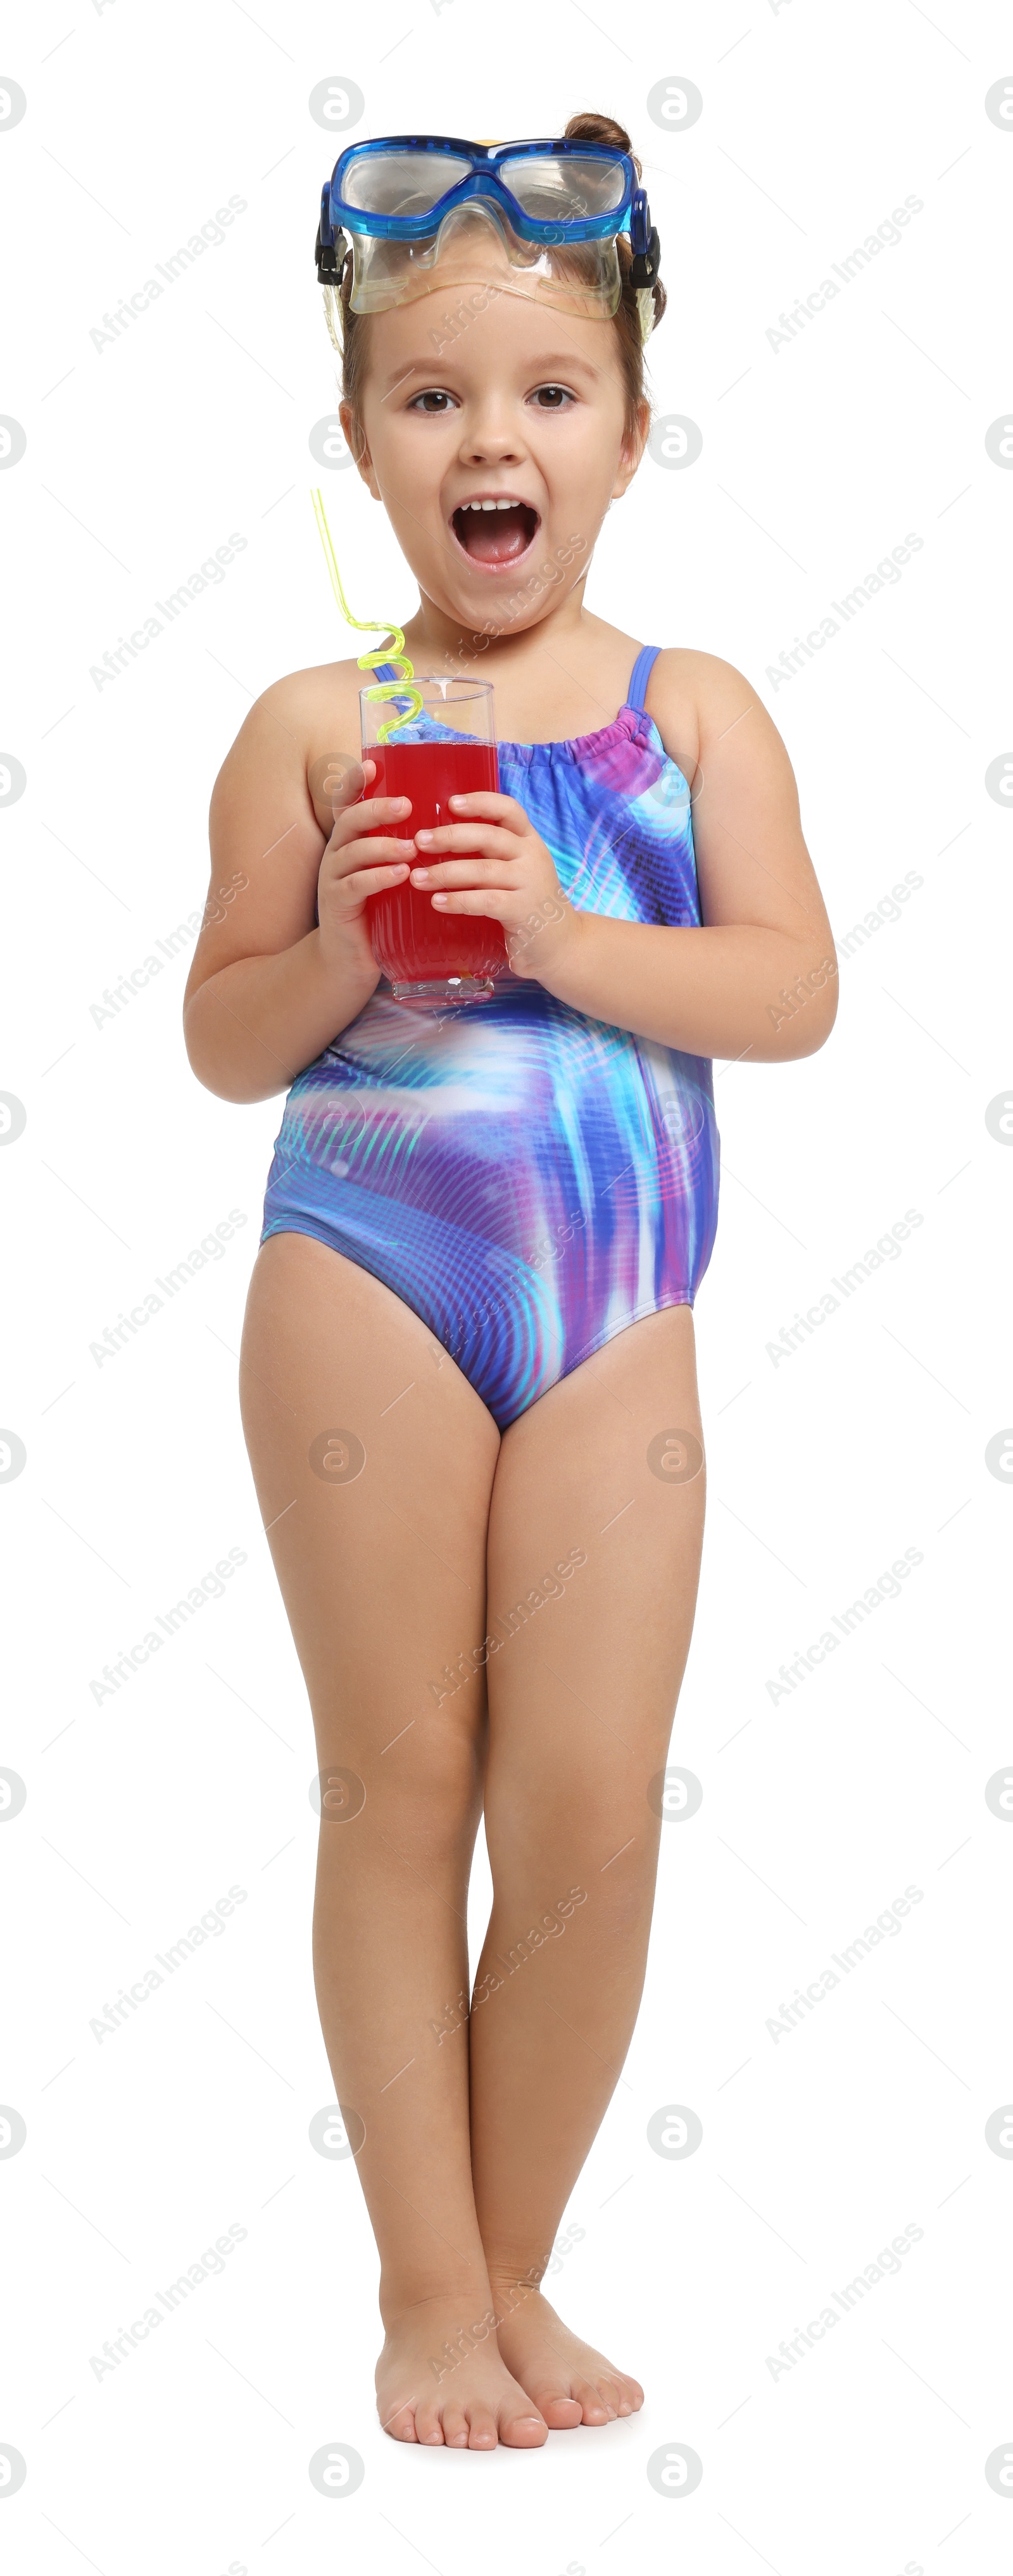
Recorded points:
(522, 406)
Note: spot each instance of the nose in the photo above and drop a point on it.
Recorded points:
(492, 436)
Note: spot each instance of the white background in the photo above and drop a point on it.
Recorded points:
(819, 1809)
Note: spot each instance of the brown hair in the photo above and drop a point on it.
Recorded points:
(352, 346)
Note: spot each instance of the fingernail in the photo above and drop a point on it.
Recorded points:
(424, 836)
(420, 876)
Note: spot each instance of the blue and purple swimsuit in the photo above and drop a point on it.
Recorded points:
(529, 1180)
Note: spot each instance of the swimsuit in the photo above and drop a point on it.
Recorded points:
(529, 1180)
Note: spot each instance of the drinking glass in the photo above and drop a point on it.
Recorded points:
(448, 748)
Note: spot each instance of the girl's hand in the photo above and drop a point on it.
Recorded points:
(354, 867)
(508, 875)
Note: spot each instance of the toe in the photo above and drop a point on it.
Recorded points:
(562, 2412)
(631, 2396)
(594, 2409)
(519, 2426)
(455, 2428)
(401, 2424)
(428, 2427)
(482, 2433)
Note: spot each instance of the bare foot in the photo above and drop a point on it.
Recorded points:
(570, 2383)
(440, 2378)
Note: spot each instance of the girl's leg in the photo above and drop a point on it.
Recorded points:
(581, 1700)
(382, 1570)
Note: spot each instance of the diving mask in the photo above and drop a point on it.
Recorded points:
(538, 219)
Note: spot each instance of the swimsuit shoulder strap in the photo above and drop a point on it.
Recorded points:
(640, 675)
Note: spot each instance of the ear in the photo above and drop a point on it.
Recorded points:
(356, 438)
(632, 449)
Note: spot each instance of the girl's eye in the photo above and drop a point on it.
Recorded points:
(552, 397)
(434, 402)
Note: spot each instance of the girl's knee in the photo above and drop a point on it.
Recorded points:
(427, 1786)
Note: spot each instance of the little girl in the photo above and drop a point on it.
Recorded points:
(468, 1379)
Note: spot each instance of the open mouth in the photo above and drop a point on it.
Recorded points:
(495, 533)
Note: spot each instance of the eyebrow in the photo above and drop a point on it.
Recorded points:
(567, 364)
(549, 368)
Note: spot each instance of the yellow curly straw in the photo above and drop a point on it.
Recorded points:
(382, 653)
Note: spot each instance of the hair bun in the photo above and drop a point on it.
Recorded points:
(601, 129)
(649, 302)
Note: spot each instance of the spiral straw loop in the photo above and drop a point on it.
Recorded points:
(382, 652)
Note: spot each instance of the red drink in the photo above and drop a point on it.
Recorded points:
(411, 941)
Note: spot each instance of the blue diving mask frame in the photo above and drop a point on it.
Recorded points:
(547, 214)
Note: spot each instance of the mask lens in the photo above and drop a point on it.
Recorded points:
(553, 191)
(472, 248)
(402, 183)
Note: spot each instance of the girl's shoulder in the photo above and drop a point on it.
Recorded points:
(693, 698)
(298, 724)
(324, 694)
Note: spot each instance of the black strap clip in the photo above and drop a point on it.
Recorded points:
(330, 245)
(330, 258)
(644, 242)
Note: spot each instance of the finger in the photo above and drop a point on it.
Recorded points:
(376, 809)
(484, 840)
(466, 872)
(494, 901)
(366, 881)
(354, 826)
(367, 854)
(492, 808)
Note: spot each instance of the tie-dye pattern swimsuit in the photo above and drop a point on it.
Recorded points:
(529, 1180)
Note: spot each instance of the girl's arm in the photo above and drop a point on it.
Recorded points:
(268, 989)
(760, 979)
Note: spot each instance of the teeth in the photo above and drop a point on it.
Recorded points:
(491, 505)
